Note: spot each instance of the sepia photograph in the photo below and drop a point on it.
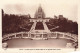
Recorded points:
(40, 24)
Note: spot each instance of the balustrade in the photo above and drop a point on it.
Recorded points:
(47, 35)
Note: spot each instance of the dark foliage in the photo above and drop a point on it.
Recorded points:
(14, 23)
(63, 25)
(39, 26)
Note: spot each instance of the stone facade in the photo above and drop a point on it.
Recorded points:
(39, 13)
(39, 16)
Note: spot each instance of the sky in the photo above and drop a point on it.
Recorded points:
(67, 8)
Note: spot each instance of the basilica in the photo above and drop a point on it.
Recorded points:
(39, 16)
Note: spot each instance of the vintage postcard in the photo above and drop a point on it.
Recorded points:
(38, 26)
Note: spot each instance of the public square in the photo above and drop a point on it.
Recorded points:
(27, 43)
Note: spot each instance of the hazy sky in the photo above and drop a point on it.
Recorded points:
(67, 8)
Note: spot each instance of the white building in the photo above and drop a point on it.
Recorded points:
(39, 16)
